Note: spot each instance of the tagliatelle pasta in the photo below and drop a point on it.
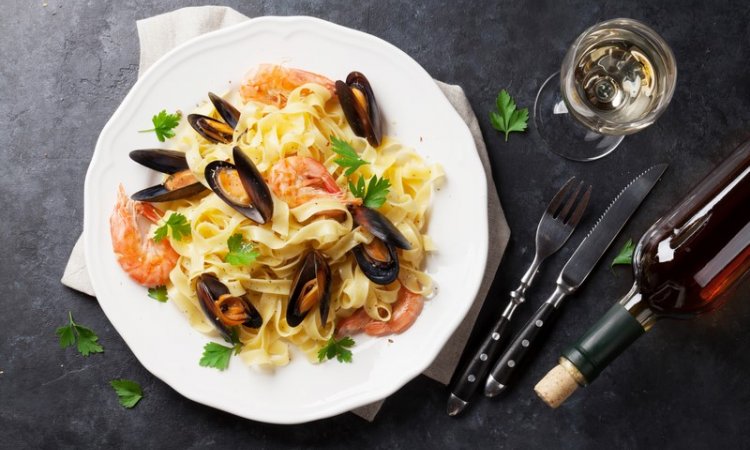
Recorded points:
(267, 134)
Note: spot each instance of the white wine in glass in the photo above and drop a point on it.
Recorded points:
(616, 79)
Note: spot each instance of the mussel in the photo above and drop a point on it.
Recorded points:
(311, 288)
(378, 259)
(360, 108)
(214, 130)
(241, 186)
(222, 308)
(181, 183)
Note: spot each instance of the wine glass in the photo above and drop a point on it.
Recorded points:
(616, 79)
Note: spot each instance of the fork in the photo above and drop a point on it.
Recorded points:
(555, 227)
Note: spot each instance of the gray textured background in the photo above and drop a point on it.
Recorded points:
(67, 65)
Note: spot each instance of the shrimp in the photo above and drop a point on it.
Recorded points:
(299, 179)
(405, 311)
(147, 262)
(271, 84)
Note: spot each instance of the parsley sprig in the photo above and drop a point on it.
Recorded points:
(217, 355)
(164, 124)
(158, 293)
(376, 192)
(348, 157)
(626, 254)
(337, 349)
(84, 338)
(177, 223)
(241, 252)
(507, 118)
(128, 392)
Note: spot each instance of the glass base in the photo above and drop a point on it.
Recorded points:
(560, 131)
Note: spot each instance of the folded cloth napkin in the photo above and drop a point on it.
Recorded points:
(159, 34)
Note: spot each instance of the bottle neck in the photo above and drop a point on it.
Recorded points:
(635, 303)
(625, 322)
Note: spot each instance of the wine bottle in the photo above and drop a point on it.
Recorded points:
(688, 263)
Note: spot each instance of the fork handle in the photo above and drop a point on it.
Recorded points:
(527, 339)
(477, 369)
(518, 296)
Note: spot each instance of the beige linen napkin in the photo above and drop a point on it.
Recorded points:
(162, 33)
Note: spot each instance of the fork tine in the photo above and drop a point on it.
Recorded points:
(569, 204)
(576, 215)
(558, 198)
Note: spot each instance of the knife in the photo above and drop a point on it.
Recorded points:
(575, 272)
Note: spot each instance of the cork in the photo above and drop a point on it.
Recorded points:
(556, 386)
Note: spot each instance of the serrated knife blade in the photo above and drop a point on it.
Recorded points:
(606, 229)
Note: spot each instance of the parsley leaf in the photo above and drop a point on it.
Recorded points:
(507, 118)
(375, 194)
(164, 124)
(158, 293)
(216, 355)
(73, 333)
(177, 223)
(128, 392)
(337, 349)
(626, 254)
(348, 157)
(241, 252)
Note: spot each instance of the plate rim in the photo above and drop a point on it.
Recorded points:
(372, 394)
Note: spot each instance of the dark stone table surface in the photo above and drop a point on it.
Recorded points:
(67, 64)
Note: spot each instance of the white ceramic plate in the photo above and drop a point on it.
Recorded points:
(415, 111)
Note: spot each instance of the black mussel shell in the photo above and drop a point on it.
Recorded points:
(164, 161)
(209, 289)
(379, 272)
(365, 121)
(159, 193)
(160, 160)
(260, 208)
(214, 130)
(379, 226)
(313, 266)
(229, 113)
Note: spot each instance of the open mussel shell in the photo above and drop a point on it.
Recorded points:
(378, 259)
(181, 182)
(311, 287)
(211, 292)
(251, 197)
(360, 108)
(379, 226)
(229, 113)
(382, 269)
(214, 130)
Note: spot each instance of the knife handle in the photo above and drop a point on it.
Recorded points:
(518, 349)
(479, 365)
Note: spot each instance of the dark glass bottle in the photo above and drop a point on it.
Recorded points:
(688, 263)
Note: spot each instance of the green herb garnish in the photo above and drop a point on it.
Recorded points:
(217, 355)
(158, 293)
(164, 124)
(128, 392)
(507, 118)
(375, 194)
(85, 338)
(626, 254)
(337, 349)
(241, 252)
(177, 223)
(348, 157)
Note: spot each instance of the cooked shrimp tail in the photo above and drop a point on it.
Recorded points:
(147, 262)
(271, 83)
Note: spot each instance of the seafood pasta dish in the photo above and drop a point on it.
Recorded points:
(287, 216)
